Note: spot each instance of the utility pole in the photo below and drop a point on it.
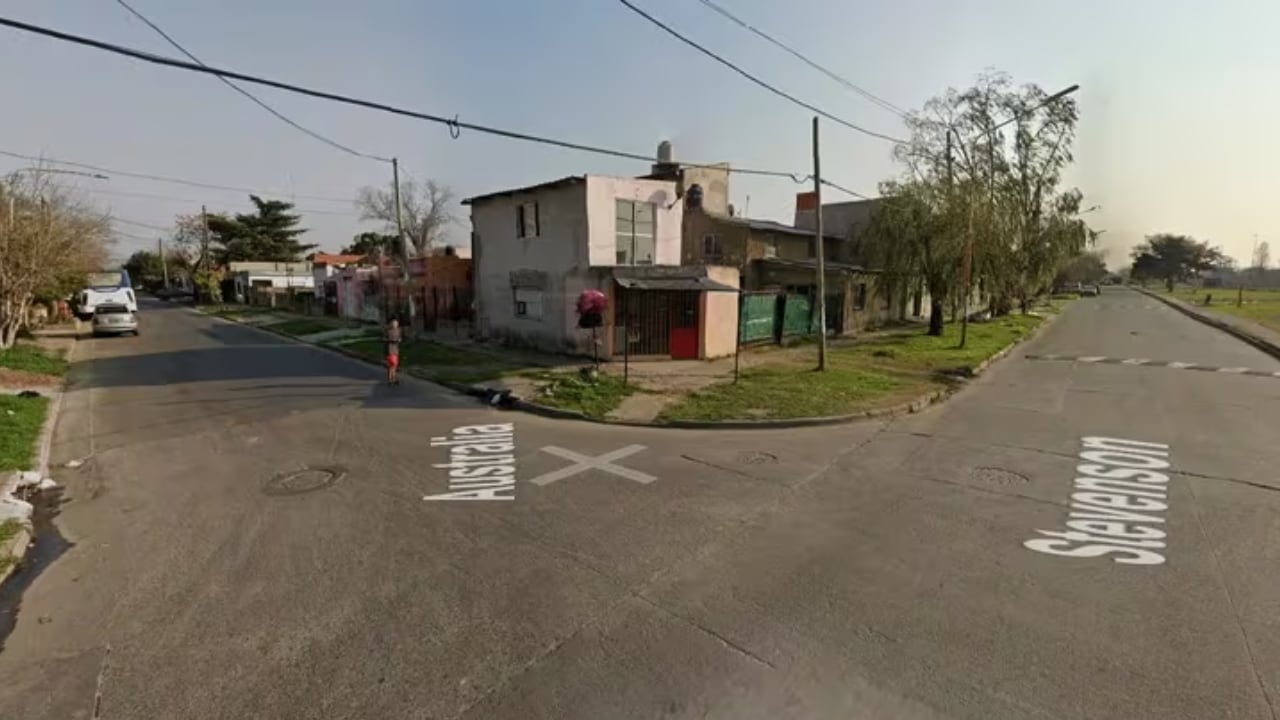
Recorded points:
(204, 247)
(818, 252)
(164, 266)
(404, 240)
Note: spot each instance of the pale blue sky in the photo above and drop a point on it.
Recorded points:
(1179, 100)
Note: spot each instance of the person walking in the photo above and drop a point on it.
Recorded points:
(393, 338)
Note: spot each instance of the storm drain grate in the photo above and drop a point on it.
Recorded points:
(997, 476)
(298, 482)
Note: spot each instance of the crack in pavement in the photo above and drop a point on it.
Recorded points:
(693, 623)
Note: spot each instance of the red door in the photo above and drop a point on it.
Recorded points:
(684, 326)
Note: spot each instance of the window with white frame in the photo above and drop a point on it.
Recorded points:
(636, 233)
(528, 303)
(527, 220)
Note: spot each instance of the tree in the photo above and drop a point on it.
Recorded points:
(1023, 227)
(426, 210)
(270, 234)
(1262, 256)
(1087, 267)
(913, 238)
(145, 268)
(1173, 258)
(372, 244)
(49, 242)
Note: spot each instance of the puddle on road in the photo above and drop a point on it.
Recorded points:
(49, 546)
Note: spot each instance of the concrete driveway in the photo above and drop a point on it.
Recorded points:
(874, 570)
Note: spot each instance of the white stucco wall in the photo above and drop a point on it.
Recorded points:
(603, 192)
(557, 251)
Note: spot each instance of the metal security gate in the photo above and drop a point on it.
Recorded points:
(653, 317)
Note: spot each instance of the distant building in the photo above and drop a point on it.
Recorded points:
(246, 277)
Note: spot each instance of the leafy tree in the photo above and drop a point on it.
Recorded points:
(372, 244)
(1173, 258)
(913, 238)
(1086, 267)
(426, 210)
(270, 234)
(145, 268)
(49, 242)
(1262, 255)
(1007, 176)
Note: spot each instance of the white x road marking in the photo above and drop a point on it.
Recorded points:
(586, 462)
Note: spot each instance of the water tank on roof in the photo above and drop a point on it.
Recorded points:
(664, 151)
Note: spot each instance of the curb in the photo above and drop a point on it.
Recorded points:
(17, 546)
(907, 408)
(1256, 341)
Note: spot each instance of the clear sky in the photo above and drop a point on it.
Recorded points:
(1179, 100)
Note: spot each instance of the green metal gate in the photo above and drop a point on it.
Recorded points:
(757, 317)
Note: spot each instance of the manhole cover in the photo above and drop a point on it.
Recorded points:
(997, 476)
(755, 457)
(302, 481)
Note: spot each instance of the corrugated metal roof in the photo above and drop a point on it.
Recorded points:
(675, 283)
(813, 265)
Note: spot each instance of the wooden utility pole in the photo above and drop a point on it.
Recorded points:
(405, 244)
(821, 300)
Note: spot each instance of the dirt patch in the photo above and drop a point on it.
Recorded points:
(23, 379)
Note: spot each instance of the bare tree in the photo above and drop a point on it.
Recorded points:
(49, 242)
(1262, 255)
(426, 209)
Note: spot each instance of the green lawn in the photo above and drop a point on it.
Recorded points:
(438, 361)
(304, 326)
(32, 359)
(8, 529)
(1260, 306)
(20, 423)
(879, 372)
(570, 391)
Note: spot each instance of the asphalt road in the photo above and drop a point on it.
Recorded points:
(875, 570)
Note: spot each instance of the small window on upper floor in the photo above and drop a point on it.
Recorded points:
(636, 237)
(527, 220)
(712, 251)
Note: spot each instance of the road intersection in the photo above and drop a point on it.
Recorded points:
(877, 569)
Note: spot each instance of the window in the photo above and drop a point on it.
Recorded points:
(527, 220)
(860, 301)
(528, 303)
(636, 238)
(711, 249)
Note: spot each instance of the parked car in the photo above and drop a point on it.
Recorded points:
(1090, 290)
(114, 319)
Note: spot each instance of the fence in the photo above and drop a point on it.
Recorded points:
(771, 316)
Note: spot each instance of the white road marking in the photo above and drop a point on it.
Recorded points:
(1181, 365)
(1091, 359)
(586, 462)
(1136, 361)
(1233, 370)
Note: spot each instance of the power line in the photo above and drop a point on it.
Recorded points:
(260, 103)
(846, 190)
(139, 224)
(190, 201)
(454, 124)
(168, 179)
(881, 102)
(674, 33)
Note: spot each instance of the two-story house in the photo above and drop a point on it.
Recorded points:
(536, 248)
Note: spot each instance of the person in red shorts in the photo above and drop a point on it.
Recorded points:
(393, 338)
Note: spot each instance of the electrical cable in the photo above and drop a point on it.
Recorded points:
(452, 123)
(674, 33)
(169, 179)
(191, 201)
(260, 103)
(881, 102)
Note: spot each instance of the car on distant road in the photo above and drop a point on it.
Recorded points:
(1089, 290)
(114, 319)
